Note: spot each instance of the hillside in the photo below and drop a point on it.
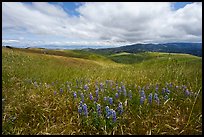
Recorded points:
(188, 48)
(42, 91)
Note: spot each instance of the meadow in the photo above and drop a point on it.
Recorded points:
(60, 92)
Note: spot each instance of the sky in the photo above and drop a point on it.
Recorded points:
(106, 24)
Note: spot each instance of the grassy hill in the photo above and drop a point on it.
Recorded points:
(38, 87)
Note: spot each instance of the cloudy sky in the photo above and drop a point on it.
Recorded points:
(106, 23)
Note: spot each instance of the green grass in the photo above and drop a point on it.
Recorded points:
(37, 110)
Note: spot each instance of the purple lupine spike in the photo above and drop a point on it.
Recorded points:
(163, 91)
(107, 108)
(142, 99)
(124, 92)
(75, 95)
(156, 98)
(114, 116)
(119, 90)
(110, 112)
(166, 97)
(91, 96)
(95, 99)
(168, 91)
(107, 112)
(86, 87)
(170, 85)
(150, 98)
(81, 104)
(82, 97)
(142, 94)
(98, 109)
(61, 90)
(96, 93)
(105, 98)
(184, 87)
(120, 108)
(116, 87)
(101, 85)
(116, 95)
(79, 109)
(157, 87)
(187, 93)
(130, 94)
(55, 92)
(111, 101)
(85, 110)
(96, 87)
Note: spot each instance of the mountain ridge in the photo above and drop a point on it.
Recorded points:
(187, 48)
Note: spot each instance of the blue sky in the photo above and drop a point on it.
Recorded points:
(106, 24)
(178, 5)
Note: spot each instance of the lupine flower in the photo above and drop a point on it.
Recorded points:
(97, 93)
(80, 107)
(85, 110)
(156, 98)
(124, 90)
(119, 90)
(86, 87)
(98, 109)
(108, 112)
(61, 90)
(111, 101)
(166, 97)
(81, 104)
(105, 98)
(170, 84)
(120, 108)
(187, 93)
(168, 91)
(142, 94)
(163, 91)
(114, 116)
(116, 95)
(75, 95)
(95, 99)
(101, 85)
(157, 87)
(116, 87)
(142, 99)
(177, 87)
(96, 87)
(130, 94)
(55, 92)
(90, 96)
(150, 98)
(184, 87)
(82, 97)
(107, 108)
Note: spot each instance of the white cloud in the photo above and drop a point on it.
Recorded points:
(105, 23)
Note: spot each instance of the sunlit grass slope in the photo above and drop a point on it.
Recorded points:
(38, 87)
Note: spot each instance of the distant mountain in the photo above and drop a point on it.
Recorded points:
(188, 48)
